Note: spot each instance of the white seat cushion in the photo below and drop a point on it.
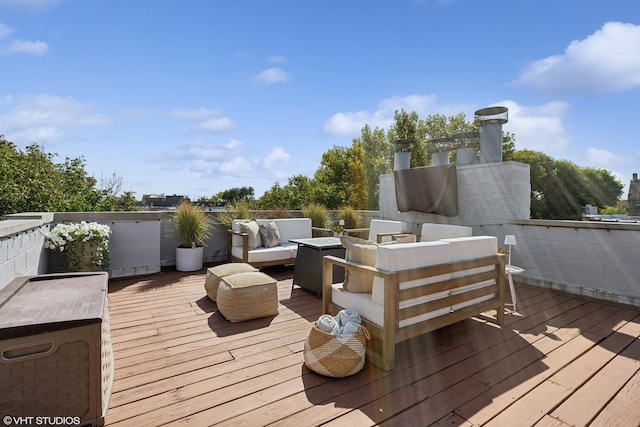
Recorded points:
(262, 254)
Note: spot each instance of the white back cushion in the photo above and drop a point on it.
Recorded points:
(463, 248)
(431, 232)
(293, 228)
(403, 256)
(288, 228)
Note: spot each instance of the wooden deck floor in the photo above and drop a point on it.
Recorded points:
(561, 360)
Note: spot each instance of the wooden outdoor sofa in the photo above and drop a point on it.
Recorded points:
(419, 287)
(248, 246)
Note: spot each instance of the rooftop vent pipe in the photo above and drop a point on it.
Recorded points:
(402, 155)
(490, 121)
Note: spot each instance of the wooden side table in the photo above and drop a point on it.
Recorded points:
(307, 272)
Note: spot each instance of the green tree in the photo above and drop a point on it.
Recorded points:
(31, 181)
(333, 174)
(377, 159)
(297, 193)
(560, 188)
(275, 196)
(358, 195)
(126, 202)
(233, 195)
(508, 146)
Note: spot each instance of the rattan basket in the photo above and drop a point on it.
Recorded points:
(335, 355)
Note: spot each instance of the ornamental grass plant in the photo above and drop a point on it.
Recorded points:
(318, 213)
(351, 217)
(192, 224)
(85, 245)
(239, 210)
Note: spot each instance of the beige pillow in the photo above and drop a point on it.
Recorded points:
(363, 252)
(253, 230)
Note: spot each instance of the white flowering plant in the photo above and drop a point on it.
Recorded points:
(86, 244)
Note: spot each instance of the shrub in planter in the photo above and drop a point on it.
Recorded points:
(193, 227)
(85, 245)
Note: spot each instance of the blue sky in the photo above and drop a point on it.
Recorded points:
(197, 96)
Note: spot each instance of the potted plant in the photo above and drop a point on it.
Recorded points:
(193, 226)
(338, 229)
(85, 245)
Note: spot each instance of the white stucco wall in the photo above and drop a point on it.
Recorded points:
(491, 193)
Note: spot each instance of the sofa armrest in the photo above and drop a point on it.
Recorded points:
(329, 261)
(393, 235)
(245, 244)
(321, 232)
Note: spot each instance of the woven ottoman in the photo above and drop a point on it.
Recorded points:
(214, 274)
(245, 296)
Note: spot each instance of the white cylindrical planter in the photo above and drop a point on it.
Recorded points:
(189, 259)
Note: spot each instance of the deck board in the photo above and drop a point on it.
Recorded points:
(178, 361)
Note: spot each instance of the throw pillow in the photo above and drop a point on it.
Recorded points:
(363, 252)
(253, 230)
(270, 234)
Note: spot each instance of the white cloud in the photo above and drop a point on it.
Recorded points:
(210, 160)
(208, 120)
(26, 46)
(601, 158)
(44, 117)
(538, 127)
(604, 62)
(271, 76)
(276, 156)
(217, 124)
(351, 123)
(5, 30)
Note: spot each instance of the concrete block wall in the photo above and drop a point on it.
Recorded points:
(598, 260)
(593, 259)
(21, 247)
(491, 193)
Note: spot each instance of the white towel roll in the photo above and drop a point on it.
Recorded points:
(350, 328)
(328, 324)
(345, 316)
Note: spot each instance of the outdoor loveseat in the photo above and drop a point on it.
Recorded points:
(246, 243)
(416, 288)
